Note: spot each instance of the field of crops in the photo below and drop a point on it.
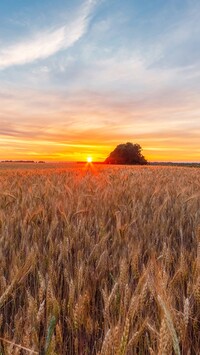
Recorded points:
(99, 260)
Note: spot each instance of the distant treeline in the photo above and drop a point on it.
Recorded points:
(23, 161)
(195, 165)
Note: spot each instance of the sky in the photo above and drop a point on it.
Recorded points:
(79, 77)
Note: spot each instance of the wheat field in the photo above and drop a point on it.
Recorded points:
(99, 260)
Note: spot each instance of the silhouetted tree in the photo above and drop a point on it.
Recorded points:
(126, 154)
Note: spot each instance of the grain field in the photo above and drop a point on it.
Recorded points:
(99, 260)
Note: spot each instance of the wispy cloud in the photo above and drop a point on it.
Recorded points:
(42, 45)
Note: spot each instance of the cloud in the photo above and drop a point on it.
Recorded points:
(42, 45)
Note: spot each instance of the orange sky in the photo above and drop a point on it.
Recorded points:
(48, 126)
(58, 149)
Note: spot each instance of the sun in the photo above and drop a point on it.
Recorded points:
(89, 159)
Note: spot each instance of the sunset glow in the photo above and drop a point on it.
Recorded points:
(87, 75)
(89, 159)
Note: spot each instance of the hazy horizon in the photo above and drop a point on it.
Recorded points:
(78, 78)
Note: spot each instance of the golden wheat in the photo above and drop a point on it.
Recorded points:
(99, 261)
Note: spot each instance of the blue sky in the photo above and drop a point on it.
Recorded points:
(77, 78)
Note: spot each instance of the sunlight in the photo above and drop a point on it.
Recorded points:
(89, 159)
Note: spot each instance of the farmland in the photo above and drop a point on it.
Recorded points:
(99, 259)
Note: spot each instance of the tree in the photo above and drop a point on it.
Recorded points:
(127, 153)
